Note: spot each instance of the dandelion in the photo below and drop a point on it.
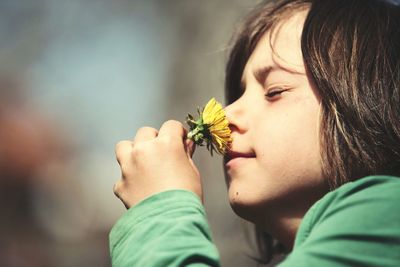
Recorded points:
(211, 128)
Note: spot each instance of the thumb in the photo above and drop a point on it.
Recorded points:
(190, 147)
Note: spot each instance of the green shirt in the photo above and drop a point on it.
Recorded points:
(357, 224)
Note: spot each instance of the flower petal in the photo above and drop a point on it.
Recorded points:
(212, 127)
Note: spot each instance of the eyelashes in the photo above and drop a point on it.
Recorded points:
(274, 93)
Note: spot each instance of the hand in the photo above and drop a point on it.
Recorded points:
(156, 161)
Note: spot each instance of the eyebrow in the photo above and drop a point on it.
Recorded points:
(262, 72)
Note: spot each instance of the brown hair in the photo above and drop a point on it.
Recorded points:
(351, 51)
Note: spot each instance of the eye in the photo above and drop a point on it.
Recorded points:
(274, 93)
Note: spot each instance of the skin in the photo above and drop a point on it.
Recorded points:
(156, 161)
(274, 171)
(274, 168)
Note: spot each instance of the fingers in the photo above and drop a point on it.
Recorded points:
(117, 189)
(172, 128)
(150, 157)
(122, 150)
(145, 134)
(190, 147)
(174, 131)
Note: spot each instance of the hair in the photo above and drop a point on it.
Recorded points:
(351, 52)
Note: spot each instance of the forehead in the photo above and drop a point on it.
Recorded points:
(281, 47)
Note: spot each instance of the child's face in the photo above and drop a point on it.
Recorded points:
(276, 162)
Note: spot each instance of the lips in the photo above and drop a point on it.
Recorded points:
(235, 154)
(233, 158)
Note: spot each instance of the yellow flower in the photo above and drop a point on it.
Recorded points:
(212, 127)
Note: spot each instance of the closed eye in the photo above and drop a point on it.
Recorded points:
(274, 94)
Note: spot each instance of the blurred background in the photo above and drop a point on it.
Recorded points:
(76, 77)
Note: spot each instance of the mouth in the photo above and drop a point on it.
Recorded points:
(233, 158)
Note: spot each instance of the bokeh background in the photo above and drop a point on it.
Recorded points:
(75, 78)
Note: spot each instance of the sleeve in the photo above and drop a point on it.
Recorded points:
(361, 227)
(166, 229)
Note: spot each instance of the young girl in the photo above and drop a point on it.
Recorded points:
(313, 88)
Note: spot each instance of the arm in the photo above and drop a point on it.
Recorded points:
(160, 185)
(166, 229)
(358, 226)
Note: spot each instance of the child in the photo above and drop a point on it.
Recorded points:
(314, 107)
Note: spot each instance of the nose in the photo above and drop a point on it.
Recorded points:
(235, 113)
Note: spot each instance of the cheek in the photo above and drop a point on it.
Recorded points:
(290, 144)
(288, 165)
(287, 173)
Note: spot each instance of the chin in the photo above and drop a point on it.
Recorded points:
(243, 205)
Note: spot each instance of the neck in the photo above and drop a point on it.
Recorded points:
(283, 229)
(282, 221)
(283, 224)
